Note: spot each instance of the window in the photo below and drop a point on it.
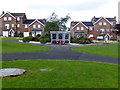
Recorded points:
(53, 36)
(18, 25)
(90, 28)
(66, 36)
(38, 26)
(12, 25)
(100, 23)
(78, 28)
(111, 30)
(107, 30)
(26, 26)
(34, 26)
(82, 28)
(60, 36)
(5, 18)
(102, 31)
(7, 26)
(18, 18)
(104, 23)
(9, 18)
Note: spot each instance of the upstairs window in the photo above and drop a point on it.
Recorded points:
(18, 25)
(26, 26)
(34, 26)
(107, 30)
(90, 28)
(5, 18)
(104, 23)
(18, 18)
(38, 26)
(78, 28)
(82, 28)
(9, 18)
(12, 25)
(100, 23)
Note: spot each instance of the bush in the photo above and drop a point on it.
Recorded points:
(74, 40)
(26, 39)
(43, 40)
(31, 38)
(81, 40)
(37, 38)
(84, 40)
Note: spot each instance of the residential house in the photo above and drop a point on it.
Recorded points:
(78, 29)
(104, 27)
(12, 24)
(99, 28)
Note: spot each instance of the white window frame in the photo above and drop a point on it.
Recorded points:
(34, 26)
(5, 18)
(39, 26)
(104, 23)
(18, 18)
(26, 26)
(12, 25)
(103, 31)
(82, 28)
(7, 26)
(9, 18)
(107, 30)
(91, 28)
(100, 23)
(78, 28)
(18, 25)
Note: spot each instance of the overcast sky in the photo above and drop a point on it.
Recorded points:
(79, 10)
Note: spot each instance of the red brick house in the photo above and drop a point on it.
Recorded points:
(15, 23)
(98, 28)
(78, 29)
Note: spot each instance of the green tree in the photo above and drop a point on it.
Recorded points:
(55, 24)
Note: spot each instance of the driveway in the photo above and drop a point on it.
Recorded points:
(59, 52)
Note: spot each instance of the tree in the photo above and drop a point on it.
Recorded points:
(62, 23)
(55, 24)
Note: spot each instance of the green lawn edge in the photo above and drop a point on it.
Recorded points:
(62, 74)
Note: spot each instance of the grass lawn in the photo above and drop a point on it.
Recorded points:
(112, 43)
(99, 50)
(62, 74)
(10, 47)
(10, 39)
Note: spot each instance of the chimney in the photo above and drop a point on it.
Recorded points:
(3, 12)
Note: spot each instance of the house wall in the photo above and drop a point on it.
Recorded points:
(75, 29)
(97, 28)
(13, 21)
(30, 28)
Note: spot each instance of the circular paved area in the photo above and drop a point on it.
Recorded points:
(59, 52)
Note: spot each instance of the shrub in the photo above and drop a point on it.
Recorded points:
(43, 40)
(84, 40)
(31, 38)
(37, 38)
(74, 40)
(26, 39)
(81, 40)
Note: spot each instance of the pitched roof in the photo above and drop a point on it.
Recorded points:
(18, 14)
(88, 24)
(109, 19)
(73, 23)
(43, 21)
(28, 21)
